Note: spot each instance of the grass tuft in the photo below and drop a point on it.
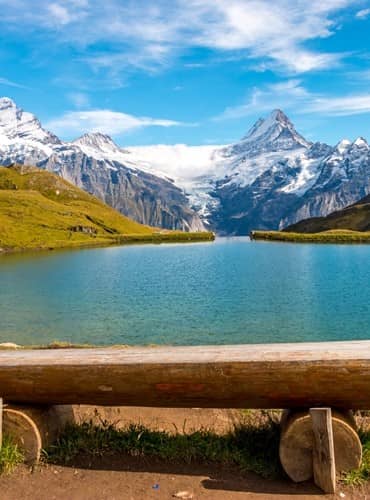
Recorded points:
(10, 455)
(252, 448)
(362, 474)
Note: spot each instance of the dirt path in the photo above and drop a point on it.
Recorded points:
(121, 478)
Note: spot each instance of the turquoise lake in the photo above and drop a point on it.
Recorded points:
(226, 292)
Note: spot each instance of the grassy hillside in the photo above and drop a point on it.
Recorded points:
(39, 210)
(354, 218)
(350, 225)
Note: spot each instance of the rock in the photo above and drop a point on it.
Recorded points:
(9, 345)
(184, 495)
(83, 229)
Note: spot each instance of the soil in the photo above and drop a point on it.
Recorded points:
(132, 478)
(123, 478)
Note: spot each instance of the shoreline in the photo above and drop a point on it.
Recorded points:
(121, 240)
(333, 236)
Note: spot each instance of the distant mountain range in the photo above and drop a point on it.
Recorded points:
(96, 164)
(271, 178)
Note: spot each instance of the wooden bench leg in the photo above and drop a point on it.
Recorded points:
(324, 472)
(297, 442)
(32, 427)
(23, 431)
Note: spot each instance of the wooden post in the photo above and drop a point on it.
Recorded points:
(297, 442)
(323, 449)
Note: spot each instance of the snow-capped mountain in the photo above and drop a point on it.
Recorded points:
(276, 178)
(271, 178)
(343, 178)
(95, 163)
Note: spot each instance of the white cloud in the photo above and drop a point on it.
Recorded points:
(150, 33)
(105, 121)
(363, 14)
(284, 95)
(340, 106)
(290, 95)
(79, 99)
(59, 14)
(10, 83)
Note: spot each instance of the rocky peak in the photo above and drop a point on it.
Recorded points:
(96, 140)
(6, 103)
(16, 124)
(351, 150)
(361, 143)
(271, 134)
(100, 146)
(343, 146)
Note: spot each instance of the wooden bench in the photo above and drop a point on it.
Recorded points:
(289, 376)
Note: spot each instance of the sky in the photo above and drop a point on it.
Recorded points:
(188, 71)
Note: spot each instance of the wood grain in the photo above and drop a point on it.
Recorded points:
(323, 449)
(334, 374)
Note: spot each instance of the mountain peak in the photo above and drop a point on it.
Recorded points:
(360, 142)
(279, 116)
(100, 146)
(96, 140)
(273, 133)
(16, 124)
(6, 102)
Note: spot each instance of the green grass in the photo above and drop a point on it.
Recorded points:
(249, 447)
(10, 455)
(362, 474)
(333, 236)
(252, 446)
(39, 210)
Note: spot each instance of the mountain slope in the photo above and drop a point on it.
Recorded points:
(40, 210)
(356, 217)
(97, 165)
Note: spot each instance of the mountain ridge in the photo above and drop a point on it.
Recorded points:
(110, 173)
(271, 178)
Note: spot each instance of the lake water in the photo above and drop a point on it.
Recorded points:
(230, 291)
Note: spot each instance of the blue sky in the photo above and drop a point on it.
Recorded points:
(188, 71)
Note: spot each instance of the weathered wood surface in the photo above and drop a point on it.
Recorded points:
(323, 449)
(297, 443)
(24, 432)
(334, 374)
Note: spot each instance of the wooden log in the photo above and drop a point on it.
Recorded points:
(24, 432)
(49, 420)
(297, 442)
(333, 374)
(323, 459)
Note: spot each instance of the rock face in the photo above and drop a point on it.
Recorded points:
(355, 217)
(271, 178)
(95, 163)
